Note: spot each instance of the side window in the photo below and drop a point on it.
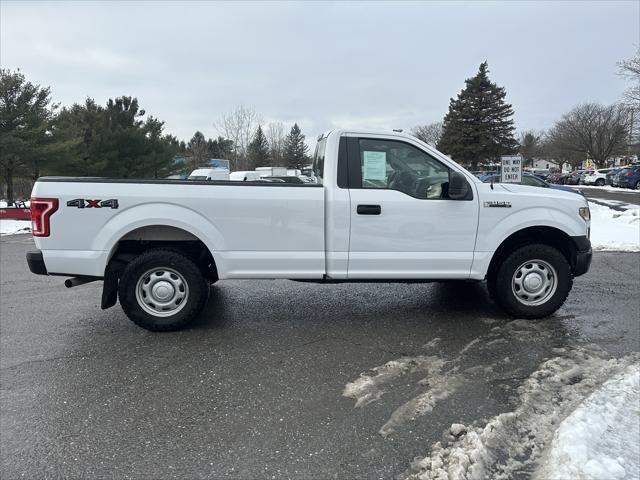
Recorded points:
(318, 161)
(395, 165)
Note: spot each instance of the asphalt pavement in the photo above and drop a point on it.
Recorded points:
(617, 199)
(256, 387)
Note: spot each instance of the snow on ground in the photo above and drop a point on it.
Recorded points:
(615, 231)
(600, 439)
(576, 378)
(510, 445)
(10, 227)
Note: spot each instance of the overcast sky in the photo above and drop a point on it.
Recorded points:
(323, 65)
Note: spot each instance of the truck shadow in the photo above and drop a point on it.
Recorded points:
(277, 302)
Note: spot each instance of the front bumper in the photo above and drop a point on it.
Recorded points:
(36, 263)
(583, 256)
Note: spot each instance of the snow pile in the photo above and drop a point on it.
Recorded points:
(613, 230)
(600, 439)
(10, 227)
(512, 443)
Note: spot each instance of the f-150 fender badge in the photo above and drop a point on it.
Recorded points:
(86, 203)
(497, 204)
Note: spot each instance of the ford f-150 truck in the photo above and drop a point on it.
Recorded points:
(383, 206)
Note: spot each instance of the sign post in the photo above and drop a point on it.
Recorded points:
(511, 171)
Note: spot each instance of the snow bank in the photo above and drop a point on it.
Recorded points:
(615, 231)
(10, 227)
(600, 438)
(511, 444)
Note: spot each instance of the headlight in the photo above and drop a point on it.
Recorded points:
(585, 213)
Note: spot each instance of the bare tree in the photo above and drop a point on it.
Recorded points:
(530, 145)
(239, 127)
(275, 137)
(630, 69)
(430, 133)
(593, 131)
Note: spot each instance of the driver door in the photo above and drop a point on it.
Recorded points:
(403, 225)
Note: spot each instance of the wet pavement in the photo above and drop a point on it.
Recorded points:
(266, 382)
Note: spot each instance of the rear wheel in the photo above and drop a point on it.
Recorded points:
(533, 281)
(600, 182)
(162, 290)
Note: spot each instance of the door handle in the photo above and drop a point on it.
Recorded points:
(369, 209)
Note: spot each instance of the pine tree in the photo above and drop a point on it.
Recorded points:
(258, 150)
(479, 125)
(26, 115)
(295, 151)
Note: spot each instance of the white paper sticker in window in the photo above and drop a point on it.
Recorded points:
(375, 166)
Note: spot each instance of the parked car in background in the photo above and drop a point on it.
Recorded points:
(574, 177)
(612, 173)
(534, 181)
(597, 177)
(538, 172)
(584, 174)
(558, 178)
(628, 177)
(209, 174)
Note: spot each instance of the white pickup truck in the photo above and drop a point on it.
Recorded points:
(382, 207)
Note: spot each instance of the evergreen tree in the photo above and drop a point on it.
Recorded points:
(113, 141)
(220, 148)
(258, 150)
(198, 150)
(158, 162)
(479, 125)
(85, 125)
(26, 114)
(295, 151)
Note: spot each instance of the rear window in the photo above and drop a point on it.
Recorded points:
(318, 161)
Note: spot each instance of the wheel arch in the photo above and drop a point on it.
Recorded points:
(154, 236)
(547, 235)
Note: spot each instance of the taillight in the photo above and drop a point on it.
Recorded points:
(41, 211)
(629, 174)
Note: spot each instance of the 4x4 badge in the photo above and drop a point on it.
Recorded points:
(86, 203)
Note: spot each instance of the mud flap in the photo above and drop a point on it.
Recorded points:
(110, 287)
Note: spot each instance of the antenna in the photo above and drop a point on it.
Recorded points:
(399, 130)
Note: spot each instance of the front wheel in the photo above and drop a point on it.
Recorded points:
(162, 290)
(533, 281)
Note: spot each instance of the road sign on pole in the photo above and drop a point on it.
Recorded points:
(511, 171)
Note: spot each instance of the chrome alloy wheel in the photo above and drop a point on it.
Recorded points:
(162, 292)
(534, 282)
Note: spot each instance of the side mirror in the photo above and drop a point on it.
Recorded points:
(458, 186)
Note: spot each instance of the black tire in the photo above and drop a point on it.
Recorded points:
(638, 185)
(600, 182)
(189, 278)
(502, 286)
